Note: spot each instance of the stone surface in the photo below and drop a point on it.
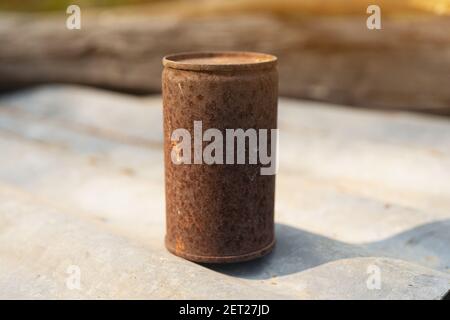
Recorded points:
(81, 183)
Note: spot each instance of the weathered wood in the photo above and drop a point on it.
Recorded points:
(81, 183)
(406, 65)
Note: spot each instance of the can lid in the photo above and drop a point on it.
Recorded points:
(220, 61)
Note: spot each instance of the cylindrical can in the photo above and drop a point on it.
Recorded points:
(218, 212)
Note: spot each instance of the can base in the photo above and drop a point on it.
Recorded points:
(222, 259)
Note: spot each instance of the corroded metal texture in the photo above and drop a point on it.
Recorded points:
(219, 213)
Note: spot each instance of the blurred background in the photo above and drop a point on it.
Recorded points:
(325, 50)
(81, 168)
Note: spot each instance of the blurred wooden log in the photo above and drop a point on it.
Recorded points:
(406, 65)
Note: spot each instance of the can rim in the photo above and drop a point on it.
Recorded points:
(222, 259)
(220, 61)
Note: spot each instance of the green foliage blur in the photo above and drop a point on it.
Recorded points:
(52, 5)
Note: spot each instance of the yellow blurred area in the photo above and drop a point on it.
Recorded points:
(313, 7)
(277, 7)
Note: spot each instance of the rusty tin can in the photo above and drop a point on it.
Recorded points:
(218, 213)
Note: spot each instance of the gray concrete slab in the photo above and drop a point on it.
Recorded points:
(361, 196)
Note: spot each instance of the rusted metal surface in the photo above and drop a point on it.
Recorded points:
(219, 213)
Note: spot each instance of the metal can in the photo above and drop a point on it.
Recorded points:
(218, 212)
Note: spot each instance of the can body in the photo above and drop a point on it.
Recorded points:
(218, 212)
